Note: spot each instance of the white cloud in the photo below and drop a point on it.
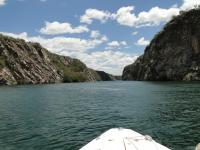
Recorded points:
(124, 16)
(110, 61)
(58, 44)
(142, 42)
(69, 44)
(22, 35)
(95, 34)
(116, 44)
(104, 38)
(91, 14)
(189, 4)
(61, 28)
(153, 17)
(135, 33)
(2, 2)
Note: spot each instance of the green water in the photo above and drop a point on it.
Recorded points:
(67, 116)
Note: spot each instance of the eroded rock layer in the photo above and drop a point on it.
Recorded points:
(29, 63)
(173, 54)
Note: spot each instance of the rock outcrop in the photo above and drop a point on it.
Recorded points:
(106, 77)
(29, 63)
(173, 54)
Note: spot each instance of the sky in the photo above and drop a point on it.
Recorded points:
(106, 35)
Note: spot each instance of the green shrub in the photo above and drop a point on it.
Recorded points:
(73, 72)
(71, 76)
(77, 66)
(67, 79)
(2, 62)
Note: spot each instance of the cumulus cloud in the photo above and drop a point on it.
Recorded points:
(61, 28)
(110, 61)
(153, 17)
(126, 16)
(135, 33)
(94, 14)
(189, 4)
(116, 44)
(58, 44)
(2, 2)
(95, 34)
(68, 44)
(142, 42)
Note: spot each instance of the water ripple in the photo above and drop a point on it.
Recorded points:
(67, 116)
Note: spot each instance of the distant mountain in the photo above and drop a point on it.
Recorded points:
(29, 63)
(173, 54)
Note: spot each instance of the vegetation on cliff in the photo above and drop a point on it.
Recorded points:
(29, 63)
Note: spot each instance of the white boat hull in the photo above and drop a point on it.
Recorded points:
(123, 139)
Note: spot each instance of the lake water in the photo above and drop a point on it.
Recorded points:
(67, 116)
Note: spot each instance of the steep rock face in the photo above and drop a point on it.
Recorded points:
(28, 63)
(105, 76)
(173, 54)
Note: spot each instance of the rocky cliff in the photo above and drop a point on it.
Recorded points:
(173, 54)
(107, 77)
(29, 63)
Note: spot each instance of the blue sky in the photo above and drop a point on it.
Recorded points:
(106, 35)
